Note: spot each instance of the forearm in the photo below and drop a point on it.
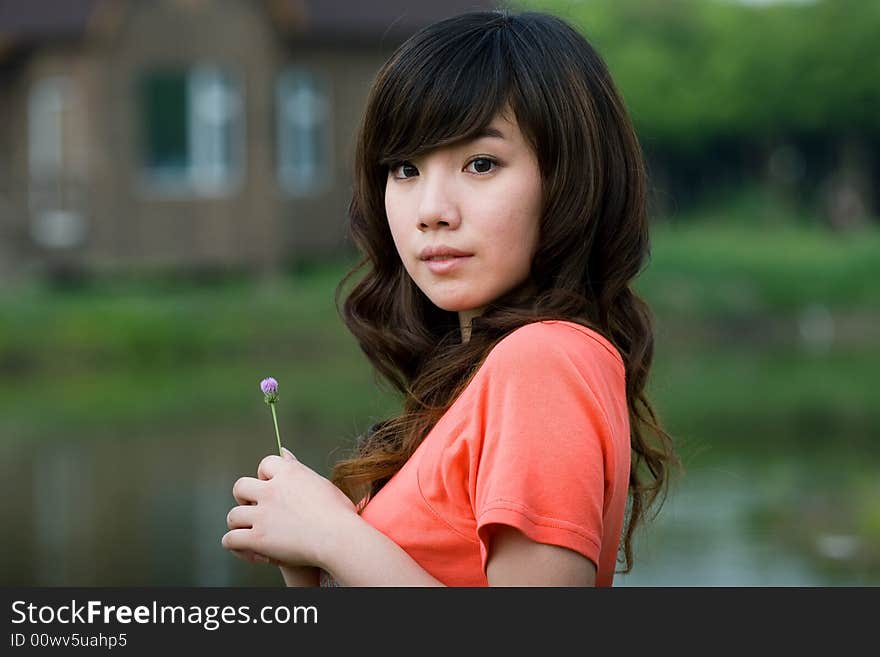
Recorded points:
(366, 557)
(300, 576)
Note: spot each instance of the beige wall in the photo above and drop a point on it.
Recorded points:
(256, 225)
(150, 227)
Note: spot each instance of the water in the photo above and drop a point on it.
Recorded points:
(705, 536)
(128, 512)
(152, 511)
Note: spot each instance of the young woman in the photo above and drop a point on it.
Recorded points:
(500, 207)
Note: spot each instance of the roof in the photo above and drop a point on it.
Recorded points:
(30, 21)
(376, 21)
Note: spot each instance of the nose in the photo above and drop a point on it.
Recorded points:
(437, 206)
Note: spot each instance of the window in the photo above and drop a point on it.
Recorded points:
(305, 148)
(56, 163)
(193, 131)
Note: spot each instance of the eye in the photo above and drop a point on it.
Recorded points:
(397, 165)
(484, 161)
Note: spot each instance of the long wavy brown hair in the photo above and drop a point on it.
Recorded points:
(443, 85)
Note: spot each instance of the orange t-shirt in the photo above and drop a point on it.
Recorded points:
(538, 440)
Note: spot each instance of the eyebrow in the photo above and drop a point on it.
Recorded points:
(489, 131)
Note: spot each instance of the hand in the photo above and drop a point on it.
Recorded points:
(290, 515)
(253, 557)
(294, 576)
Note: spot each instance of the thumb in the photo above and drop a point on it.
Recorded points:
(288, 454)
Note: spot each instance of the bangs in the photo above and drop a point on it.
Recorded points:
(441, 88)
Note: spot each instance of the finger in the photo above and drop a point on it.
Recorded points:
(288, 454)
(241, 517)
(269, 466)
(253, 557)
(247, 490)
(244, 555)
(238, 539)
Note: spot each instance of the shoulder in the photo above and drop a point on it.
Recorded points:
(547, 341)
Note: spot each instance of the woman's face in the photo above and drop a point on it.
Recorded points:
(481, 197)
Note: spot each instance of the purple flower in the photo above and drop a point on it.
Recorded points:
(269, 386)
(270, 390)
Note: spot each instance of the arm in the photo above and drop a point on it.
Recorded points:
(299, 576)
(369, 558)
(516, 560)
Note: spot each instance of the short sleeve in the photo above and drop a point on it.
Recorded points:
(546, 443)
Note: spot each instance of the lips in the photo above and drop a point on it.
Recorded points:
(447, 264)
(441, 250)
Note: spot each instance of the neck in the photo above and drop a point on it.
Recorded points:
(464, 321)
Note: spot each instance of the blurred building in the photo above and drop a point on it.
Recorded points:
(185, 133)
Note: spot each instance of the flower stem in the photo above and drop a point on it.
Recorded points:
(275, 420)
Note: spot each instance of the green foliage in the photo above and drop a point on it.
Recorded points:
(694, 70)
(725, 269)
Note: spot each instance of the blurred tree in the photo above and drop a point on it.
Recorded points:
(724, 93)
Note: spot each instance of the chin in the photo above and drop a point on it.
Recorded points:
(451, 306)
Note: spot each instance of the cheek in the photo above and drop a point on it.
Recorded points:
(393, 203)
(392, 214)
(531, 222)
(518, 216)
(515, 235)
(390, 211)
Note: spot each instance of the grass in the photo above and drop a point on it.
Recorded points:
(700, 271)
(738, 270)
(128, 353)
